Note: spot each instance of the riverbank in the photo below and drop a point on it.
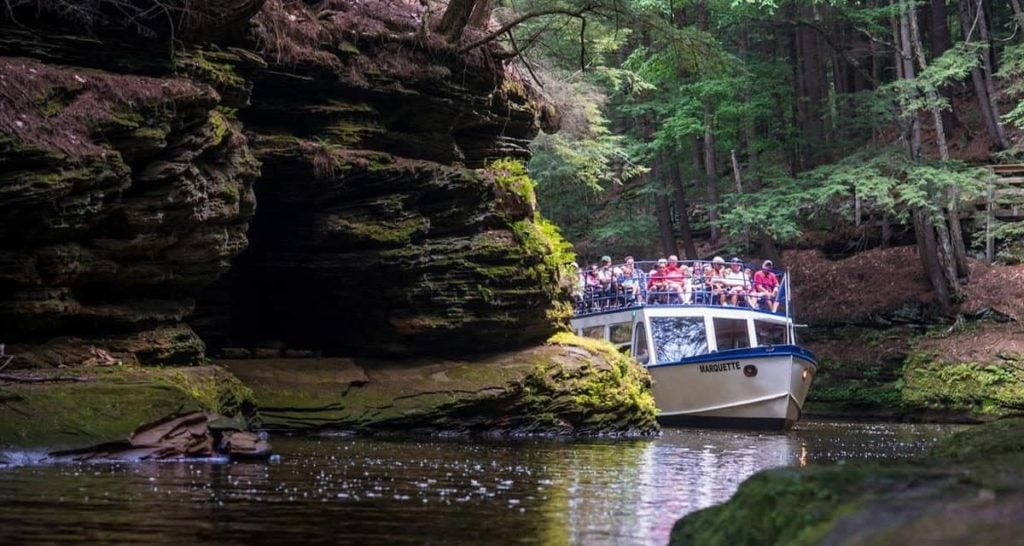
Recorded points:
(886, 352)
(968, 490)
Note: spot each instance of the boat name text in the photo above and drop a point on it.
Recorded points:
(719, 367)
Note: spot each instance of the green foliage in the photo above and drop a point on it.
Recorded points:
(1012, 75)
(682, 72)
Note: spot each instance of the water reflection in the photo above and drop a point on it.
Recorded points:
(346, 490)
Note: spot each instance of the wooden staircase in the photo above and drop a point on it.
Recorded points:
(1003, 202)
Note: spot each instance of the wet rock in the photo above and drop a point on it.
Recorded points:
(244, 445)
(122, 196)
(968, 491)
(571, 386)
(181, 436)
(71, 408)
(234, 353)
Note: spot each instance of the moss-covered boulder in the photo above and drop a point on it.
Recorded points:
(974, 373)
(969, 490)
(79, 407)
(570, 386)
(970, 372)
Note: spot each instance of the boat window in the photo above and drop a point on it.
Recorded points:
(621, 333)
(731, 333)
(770, 333)
(676, 338)
(641, 354)
(596, 332)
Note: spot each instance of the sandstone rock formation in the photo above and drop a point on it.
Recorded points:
(570, 386)
(191, 435)
(375, 235)
(76, 407)
(394, 220)
(384, 224)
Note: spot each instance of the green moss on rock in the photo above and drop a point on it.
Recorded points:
(569, 386)
(967, 490)
(76, 408)
(975, 389)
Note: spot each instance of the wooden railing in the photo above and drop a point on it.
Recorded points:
(1003, 202)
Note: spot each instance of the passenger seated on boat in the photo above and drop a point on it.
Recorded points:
(629, 280)
(735, 282)
(592, 289)
(748, 275)
(578, 285)
(657, 283)
(676, 279)
(606, 276)
(714, 279)
(766, 286)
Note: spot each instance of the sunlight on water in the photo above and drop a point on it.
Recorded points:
(357, 490)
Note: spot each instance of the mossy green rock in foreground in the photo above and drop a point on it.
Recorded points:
(76, 408)
(969, 490)
(570, 385)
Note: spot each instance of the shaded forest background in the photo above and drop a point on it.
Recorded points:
(699, 127)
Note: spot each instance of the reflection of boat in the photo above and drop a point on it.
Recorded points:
(712, 365)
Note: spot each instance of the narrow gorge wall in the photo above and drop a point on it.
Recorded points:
(383, 224)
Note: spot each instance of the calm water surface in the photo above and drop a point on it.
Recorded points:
(369, 491)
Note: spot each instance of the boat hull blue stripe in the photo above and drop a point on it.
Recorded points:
(744, 354)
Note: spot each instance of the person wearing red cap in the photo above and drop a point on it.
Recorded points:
(766, 286)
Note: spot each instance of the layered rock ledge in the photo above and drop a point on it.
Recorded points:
(570, 386)
(396, 227)
(74, 408)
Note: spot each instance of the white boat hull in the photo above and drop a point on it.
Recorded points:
(742, 390)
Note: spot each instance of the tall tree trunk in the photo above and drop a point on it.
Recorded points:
(711, 172)
(481, 14)
(682, 209)
(982, 83)
(1018, 15)
(908, 72)
(664, 213)
(455, 18)
(768, 248)
(924, 228)
(953, 239)
(812, 79)
(941, 41)
(988, 63)
(927, 249)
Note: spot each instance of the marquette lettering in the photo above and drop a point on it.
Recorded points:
(719, 367)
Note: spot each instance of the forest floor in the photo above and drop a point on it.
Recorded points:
(886, 351)
(871, 284)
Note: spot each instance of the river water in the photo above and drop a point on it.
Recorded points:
(340, 490)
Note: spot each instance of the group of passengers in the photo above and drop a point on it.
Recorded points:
(607, 286)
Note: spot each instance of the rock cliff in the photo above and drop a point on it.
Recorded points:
(394, 221)
(392, 218)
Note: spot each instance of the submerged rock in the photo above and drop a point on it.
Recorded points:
(968, 491)
(189, 435)
(570, 386)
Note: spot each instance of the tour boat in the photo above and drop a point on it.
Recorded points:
(712, 364)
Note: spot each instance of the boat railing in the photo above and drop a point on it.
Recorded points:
(693, 283)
